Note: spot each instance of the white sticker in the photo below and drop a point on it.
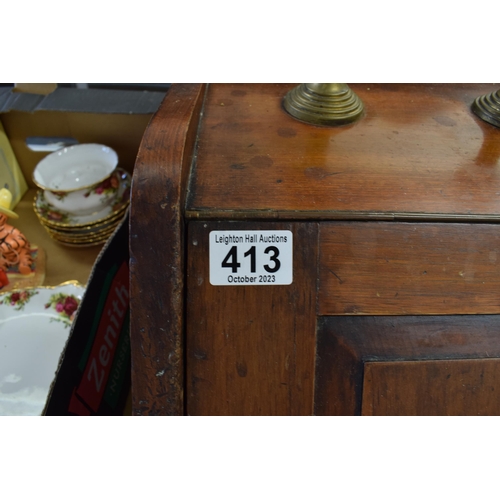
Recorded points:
(251, 257)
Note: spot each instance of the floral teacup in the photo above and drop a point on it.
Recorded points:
(79, 179)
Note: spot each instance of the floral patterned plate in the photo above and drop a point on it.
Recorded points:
(77, 238)
(91, 229)
(34, 327)
(96, 240)
(59, 218)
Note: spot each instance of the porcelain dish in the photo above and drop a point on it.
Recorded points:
(61, 218)
(93, 236)
(34, 328)
(79, 179)
(92, 229)
(83, 238)
(86, 201)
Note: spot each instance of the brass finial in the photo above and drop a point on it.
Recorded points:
(324, 103)
(487, 107)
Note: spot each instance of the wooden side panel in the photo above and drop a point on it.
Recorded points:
(251, 349)
(346, 344)
(157, 253)
(381, 268)
(446, 387)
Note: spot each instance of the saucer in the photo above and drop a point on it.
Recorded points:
(82, 238)
(34, 327)
(112, 220)
(84, 244)
(59, 218)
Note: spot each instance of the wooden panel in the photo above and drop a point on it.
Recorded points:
(456, 387)
(250, 349)
(418, 152)
(403, 268)
(345, 344)
(157, 254)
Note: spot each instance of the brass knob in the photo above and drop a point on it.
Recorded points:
(324, 103)
(487, 107)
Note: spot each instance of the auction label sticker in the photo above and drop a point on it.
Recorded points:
(251, 257)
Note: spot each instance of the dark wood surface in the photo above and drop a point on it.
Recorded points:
(157, 254)
(409, 268)
(346, 344)
(423, 388)
(418, 152)
(251, 349)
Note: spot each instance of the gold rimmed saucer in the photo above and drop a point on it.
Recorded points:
(88, 236)
(76, 241)
(81, 237)
(57, 218)
(83, 245)
(114, 218)
(50, 217)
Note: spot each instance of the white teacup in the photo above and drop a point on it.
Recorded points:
(79, 179)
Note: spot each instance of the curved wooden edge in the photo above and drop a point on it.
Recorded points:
(157, 253)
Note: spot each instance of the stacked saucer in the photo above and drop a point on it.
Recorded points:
(85, 230)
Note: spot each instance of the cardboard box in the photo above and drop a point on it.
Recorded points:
(99, 339)
(116, 118)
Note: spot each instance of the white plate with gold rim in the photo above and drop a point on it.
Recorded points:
(80, 236)
(83, 239)
(85, 230)
(83, 245)
(98, 240)
(89, 229)
(56, 217)
(34, 328)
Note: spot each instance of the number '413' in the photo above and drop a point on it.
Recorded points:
(231, 259)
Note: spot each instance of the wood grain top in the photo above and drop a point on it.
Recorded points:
(418, 153)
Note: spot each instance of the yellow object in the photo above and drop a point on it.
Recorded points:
(35, 88)
(5, 202)
(11, 176)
